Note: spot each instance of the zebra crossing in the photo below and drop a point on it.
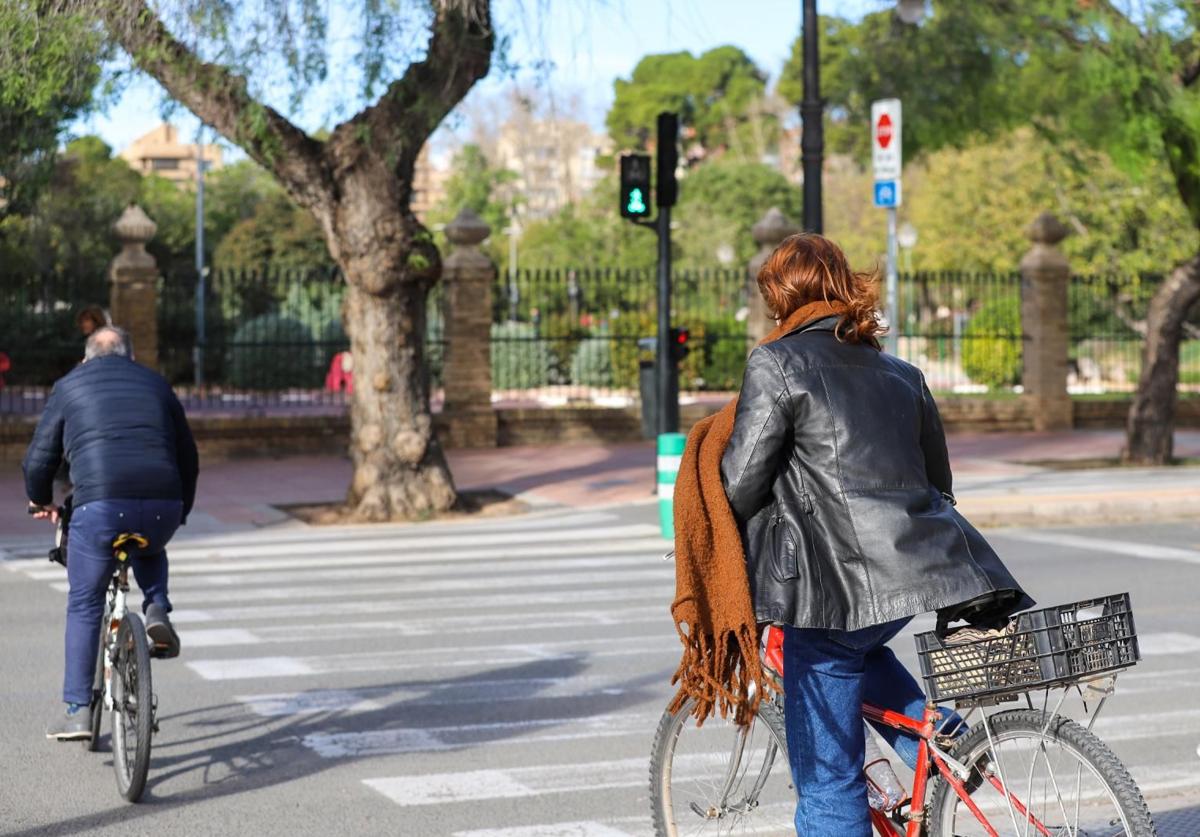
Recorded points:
(497, 678)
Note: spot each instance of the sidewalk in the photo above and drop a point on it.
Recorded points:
(994, 482)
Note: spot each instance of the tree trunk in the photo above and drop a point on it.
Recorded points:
(1150, 428)
(390, 264)
(400, 471)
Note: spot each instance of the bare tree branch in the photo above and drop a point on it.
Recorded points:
(221, 98)
(459, 54)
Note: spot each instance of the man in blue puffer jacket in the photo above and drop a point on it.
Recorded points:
(133, 464)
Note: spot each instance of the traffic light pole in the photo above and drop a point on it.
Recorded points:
(665, 373)
(635, 187)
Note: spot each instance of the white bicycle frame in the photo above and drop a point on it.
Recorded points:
(116, 610)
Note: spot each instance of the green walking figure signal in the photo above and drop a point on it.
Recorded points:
(635, 185)
(637, 204)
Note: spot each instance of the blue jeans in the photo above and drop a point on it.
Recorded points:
(828, 675)
(90, 565)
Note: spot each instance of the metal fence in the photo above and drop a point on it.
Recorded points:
(273, 337)
(573, 334)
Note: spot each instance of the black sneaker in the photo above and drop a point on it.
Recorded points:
(164, 642)
(73, 725)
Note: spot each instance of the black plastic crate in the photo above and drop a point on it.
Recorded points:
(1038, 648)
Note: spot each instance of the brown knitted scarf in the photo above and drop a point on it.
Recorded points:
(712, 609)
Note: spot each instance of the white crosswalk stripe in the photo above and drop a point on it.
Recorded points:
(476, 664)
(423, 659)
(217, 637)
(575, 828)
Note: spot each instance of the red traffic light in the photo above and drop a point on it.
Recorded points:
(681, 335)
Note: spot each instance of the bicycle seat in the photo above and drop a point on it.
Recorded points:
(138, 540)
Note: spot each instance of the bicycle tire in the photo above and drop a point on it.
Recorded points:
(1011, 725)
(662, 755)
(93, 743)
(132, 718)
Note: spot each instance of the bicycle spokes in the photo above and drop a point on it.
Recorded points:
(1039, 787)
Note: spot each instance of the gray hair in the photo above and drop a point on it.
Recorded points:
(109, 340)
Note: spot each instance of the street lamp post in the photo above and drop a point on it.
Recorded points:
(198, 347)
(812, 129)
(812, 107)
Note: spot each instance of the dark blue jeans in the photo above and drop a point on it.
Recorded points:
(828, 675)
(90, 564)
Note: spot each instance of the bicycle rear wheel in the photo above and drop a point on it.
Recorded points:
(133, 707)
(719, 779)
(1066, 778)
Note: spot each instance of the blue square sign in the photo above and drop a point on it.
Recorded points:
(887, 193)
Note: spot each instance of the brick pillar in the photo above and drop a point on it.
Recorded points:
(133, 277)
(770, 230)
(467, 371)
(1045, 274)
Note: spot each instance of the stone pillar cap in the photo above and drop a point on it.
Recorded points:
(1046, 229)
(773, 227)
(134, 226)
(467, 228)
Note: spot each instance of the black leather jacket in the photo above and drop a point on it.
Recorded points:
(838, 475)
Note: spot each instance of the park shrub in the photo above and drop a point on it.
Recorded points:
(725, 349)
(592, 364)
(563, 334)
(991, 353)
(41, 346)
(521, 359)
(273, 352)
(626, 330)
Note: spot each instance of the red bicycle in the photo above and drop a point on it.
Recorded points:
(1021, 772)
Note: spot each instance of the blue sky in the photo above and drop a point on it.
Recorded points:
(588, 42)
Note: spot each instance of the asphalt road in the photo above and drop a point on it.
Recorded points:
(484, 679)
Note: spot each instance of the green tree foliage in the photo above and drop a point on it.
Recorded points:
(718, 204)
(590, 233)
(173, 209)
(957, 73)
(714, 94)
(278, 234)
(233, 193)
(249, 220)
(971, 206)
(68, 229)
(474, 183)
(49, 68)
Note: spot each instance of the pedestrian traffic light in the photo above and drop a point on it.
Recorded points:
(667, 189)
(635, 185)
(679, 344)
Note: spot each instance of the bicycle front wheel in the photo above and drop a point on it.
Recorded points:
(722, 779)
(133, 708)
(1060, 780)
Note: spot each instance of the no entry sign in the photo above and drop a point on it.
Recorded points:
(885, 139)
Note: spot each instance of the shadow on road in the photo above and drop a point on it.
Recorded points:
(236, 751)
(1182, 822)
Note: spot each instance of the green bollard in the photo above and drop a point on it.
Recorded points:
(670, 451)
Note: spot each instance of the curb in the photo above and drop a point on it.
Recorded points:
(1078, 510)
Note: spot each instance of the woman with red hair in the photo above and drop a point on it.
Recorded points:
(837, 475)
